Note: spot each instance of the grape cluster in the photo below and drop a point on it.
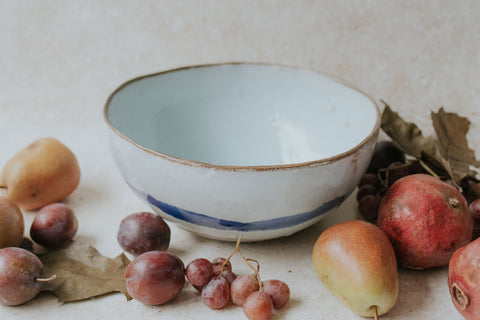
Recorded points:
(386, 166)
(218, 285)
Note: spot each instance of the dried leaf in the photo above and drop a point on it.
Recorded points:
(406, 135)
(82, 272)
(452, 144)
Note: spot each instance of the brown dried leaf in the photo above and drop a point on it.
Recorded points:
(82, 272)
(452, 144)
(406, 135)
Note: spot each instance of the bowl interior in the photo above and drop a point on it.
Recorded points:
(242, 114)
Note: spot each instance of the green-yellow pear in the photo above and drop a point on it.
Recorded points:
(42, 173)
(356, 262)
(11, 224)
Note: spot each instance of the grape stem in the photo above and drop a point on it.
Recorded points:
(46, 279)
(428, 169)
(256, 271)
(375, 317)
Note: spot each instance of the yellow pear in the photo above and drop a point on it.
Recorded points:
(12, 224)
(356, 262)
(44, 172)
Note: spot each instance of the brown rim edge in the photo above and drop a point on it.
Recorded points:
(196, 163)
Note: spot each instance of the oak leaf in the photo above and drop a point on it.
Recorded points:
(82, 272)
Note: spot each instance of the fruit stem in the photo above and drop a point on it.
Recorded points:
(428, 169)
(376, 313)
(46, 279)
(256, 271)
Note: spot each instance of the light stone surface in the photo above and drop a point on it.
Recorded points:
(61, 59)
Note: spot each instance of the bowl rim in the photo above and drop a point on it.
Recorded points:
(318, 162)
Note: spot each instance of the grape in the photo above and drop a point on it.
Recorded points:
(258, 306)
(384, 154)
(395, 171)
(471, 189)
(368, 207)
(242, 287)
(218, 267)
(369, 178)
(155, 277)
(278, 291)
(142, 232)
(216, 293)
(475, 210)
(54, 226)
(199, 272)
(19, 271)
(229, 275)
(365, 190)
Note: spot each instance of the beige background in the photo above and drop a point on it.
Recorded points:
(61, 59)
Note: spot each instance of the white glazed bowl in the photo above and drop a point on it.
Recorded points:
(260, 151)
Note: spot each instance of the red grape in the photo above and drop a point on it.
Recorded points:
(142, 232)
(19, 270)
(258, 306)
(278, 291)
(218, 267)
(242, 287)
(155, 277)
(54, 226)
(199, 272)
(216, 293)
(229, 275)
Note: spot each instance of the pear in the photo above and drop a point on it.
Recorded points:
(356, 262)
(44, 172)
(11, 224)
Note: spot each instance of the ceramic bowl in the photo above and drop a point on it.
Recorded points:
(260, 151)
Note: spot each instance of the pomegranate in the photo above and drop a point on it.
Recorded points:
(426, 219)
(464, 280)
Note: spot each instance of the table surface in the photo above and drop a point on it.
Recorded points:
(61, 59)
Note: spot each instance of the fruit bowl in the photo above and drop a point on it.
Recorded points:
(256, 150)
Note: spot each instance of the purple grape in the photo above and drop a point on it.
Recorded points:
(370, 179)
(365, 190)
(368, 207)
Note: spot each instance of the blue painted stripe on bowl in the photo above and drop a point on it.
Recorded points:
(263, 225)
